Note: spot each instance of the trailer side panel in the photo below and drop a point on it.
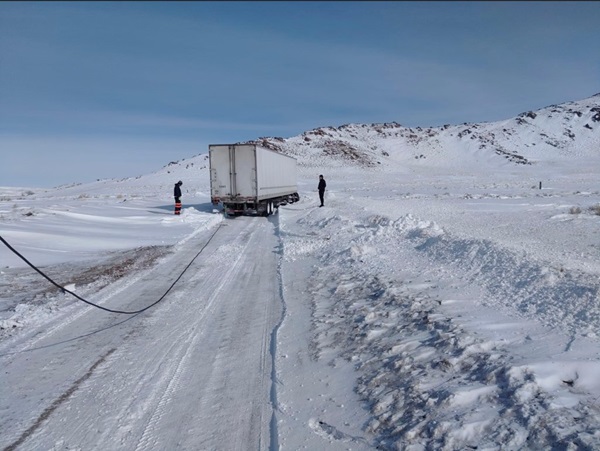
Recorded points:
(276, 174)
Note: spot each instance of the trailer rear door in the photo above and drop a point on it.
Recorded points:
(220, 177)
(243, 159)
(233, 172)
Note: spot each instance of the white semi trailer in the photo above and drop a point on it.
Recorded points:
(250, 179)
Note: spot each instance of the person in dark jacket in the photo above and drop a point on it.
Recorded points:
(322, 185)
(177, 194)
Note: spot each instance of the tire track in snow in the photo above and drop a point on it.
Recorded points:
(170, 379)
(173, 337)
(231, 408)
(57, 403)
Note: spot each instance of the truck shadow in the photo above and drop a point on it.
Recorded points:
(206, 207)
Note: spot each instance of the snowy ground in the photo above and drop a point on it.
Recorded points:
(470, 312)
(416, 310)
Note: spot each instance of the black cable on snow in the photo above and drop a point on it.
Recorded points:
(64, 290)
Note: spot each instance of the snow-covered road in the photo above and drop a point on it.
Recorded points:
(194, 372)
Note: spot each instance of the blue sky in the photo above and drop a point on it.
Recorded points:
(94, 90)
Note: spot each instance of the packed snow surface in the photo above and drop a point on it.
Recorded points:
(446, 297)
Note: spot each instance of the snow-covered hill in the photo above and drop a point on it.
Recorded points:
(558, 131)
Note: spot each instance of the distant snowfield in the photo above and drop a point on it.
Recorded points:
(421, 308)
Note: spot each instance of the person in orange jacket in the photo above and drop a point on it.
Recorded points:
(177, 194)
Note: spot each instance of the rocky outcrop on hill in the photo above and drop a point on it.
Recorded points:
(556, 131)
